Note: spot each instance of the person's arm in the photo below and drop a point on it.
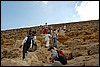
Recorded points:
(57, 36)
(34, 39)
(31, 44)
(54, 54)
(52, 59)
(24, 40)
(50, 36)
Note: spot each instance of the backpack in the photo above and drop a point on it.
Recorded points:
(49, 31)
(60, 52)
(61, 57)
(28, 40)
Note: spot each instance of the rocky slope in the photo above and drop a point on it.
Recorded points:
(80, 43)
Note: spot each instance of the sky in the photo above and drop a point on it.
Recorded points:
(20, 14)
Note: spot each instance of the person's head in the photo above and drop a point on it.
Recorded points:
(29, 34)
(46, 23)
(50, 49)
(54, 32)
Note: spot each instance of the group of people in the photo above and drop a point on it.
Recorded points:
(57, 56)
(30, 41)
(54, 37)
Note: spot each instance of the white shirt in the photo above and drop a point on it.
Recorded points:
(34, 38)
(64, 26)
(46, 26)
(24, 41)
(47, 37)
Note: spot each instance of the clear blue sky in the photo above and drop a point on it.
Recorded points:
(18, 14)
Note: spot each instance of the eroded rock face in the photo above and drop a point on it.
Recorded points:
(80, 43)
(68, 55)
(93, 49)
(13, 62)
(10, 53)
(43, 54)
(85, 61)
(83, 50)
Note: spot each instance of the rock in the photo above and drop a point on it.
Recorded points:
(62, 32)
(11, 53)
(62, 47)
(38, 63)
(68, 53)
(81, 63)
(92, 62)
(79, 51)
(93, 48)
(18, 43)
(56, 63)
(80, 43)
(32, 56)
(12, 62)
(83, 50)
(33, 60)
(44, 53)
(72, 43)
(84, 61)
(8, 42)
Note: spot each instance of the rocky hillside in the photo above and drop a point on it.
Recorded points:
(80, 43)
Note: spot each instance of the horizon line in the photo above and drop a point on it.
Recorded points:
(47, 23)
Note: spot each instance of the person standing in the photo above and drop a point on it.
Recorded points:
(49, 31)
(47, 40)
(27, 43)
(34, 44)
(45, 28)
(64, 27)
(54, 39)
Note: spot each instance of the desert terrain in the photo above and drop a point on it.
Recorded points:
(79, 42)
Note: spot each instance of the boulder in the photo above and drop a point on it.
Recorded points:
(92, 60)
(11, 53)
(84, 50)
(13, 62)
(93, 48)
(68, 53)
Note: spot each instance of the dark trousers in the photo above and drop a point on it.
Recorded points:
(25, 49)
